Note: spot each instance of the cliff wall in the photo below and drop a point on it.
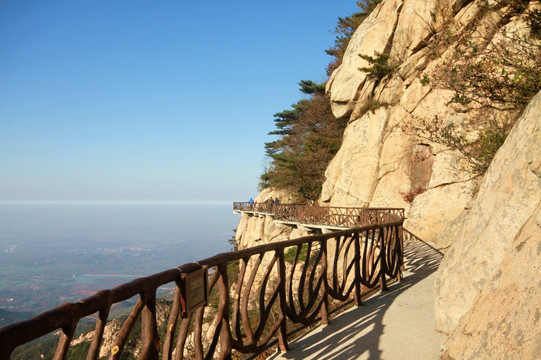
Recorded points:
(388, 156)
(255, 230)
(488, 289)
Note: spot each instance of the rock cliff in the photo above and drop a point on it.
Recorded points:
(256, 230)
(505, 317)
(388, 157)
(488, 290)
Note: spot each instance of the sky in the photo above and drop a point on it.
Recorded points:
(166, 100)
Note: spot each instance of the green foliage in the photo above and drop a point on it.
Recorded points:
(370, 105)
(501, 74)
(505, 77)
(380, 66)
(289, 255)
(345, 28)
(425, 80)
(478, 151)
(490, 140)
(10, 317)
(33, 350)
(433, 16)
(79, 351)
(309, 138)
(459, 99)
(309, 87)
(47, 345)
(492, 78)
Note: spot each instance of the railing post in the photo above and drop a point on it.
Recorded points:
(198, 334)
(325, 295)
(225, 333)
(401, 236)
(171, 325)
(182, 336)
(357, 279)
(125, 330)
(93, 351)
(282, 332)
(149, 330)
(383, 257)
(64, 342)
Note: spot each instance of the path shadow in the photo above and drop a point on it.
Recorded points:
(356, 333)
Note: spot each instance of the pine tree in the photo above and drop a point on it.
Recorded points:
(345, 29)
(309, 135)
(309, 138)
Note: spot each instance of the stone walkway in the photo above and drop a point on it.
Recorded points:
(395, 325)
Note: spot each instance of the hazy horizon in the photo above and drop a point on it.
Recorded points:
(51, 252)
(134, 201)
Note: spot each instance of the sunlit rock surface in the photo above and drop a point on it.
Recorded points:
(484, 240)
(379, 163)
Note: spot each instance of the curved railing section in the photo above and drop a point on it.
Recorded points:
(322, 215)
(256, 296)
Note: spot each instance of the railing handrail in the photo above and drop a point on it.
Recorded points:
(342, 216)
(67, 316)
(247, 203)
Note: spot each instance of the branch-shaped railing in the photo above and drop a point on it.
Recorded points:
(258, 294)
(322, 215)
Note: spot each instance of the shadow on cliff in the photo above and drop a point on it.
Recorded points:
(356, 333)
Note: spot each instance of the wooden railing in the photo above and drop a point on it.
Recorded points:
(323, 215)
(257, 295)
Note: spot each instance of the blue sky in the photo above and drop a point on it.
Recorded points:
(140, 100)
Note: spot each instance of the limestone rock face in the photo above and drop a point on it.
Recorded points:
(399, 27)
(255, 230)
(386, 159)
(371, 36)
(505, 319)
(433, 210)
(352, 173)
(283, 195)
(486, 238)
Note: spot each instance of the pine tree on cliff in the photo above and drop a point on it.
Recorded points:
(309, 138)
(309, 134)
(345, 29)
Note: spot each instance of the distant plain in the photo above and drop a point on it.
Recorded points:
(53, 252)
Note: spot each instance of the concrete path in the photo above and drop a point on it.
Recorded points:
(394, 325)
